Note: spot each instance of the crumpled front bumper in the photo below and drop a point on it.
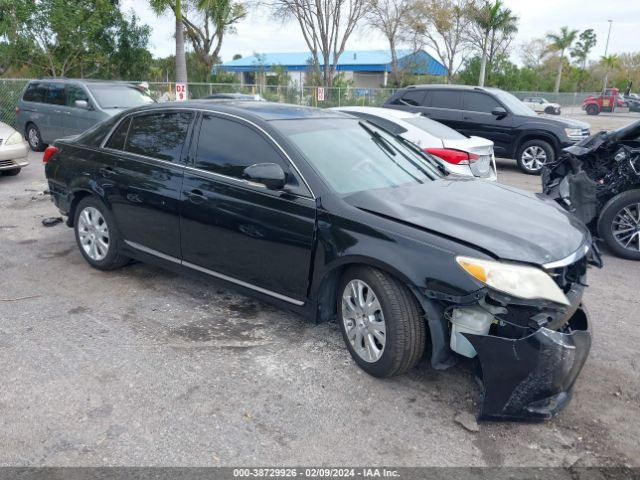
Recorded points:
(531, 378)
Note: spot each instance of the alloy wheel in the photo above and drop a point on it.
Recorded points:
(626, 227)
(534, 158)
(93, 233)
(34, 138)
(363, 320)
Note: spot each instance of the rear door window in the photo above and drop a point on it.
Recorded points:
(159, 135)
(55, 94)
(35, 92)
(450, 99)
(414, 98)
(116, 142)
(228, 147)
(479, 102)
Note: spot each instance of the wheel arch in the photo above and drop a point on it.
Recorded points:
(544, 136)
(76, 197)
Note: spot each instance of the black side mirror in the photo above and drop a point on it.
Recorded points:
(270, 175)
(499, 112)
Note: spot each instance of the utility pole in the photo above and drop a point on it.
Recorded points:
(606, 49)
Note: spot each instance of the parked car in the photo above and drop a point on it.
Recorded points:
(54, 108)
(516, 131)
(458, 153)
(234, 96)
(633, 102)
(13, 151)
(599, 181)
(542, 105)
(332, 217)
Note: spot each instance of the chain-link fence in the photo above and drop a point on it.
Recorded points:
(10, 92)
(11, 89)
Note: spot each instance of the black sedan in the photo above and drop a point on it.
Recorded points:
(333, 217)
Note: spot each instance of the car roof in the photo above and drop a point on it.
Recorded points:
(260, 110)
(88, 81)
(382, 112)
(446, 86)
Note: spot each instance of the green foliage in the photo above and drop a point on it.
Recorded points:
(81, 38)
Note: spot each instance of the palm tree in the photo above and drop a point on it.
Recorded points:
(491, 19)
(159, 6)
(609, 62)
(560, 43)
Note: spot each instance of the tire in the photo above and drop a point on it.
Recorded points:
(550, 110)
(402, 344)
(90, 215)
(11, 173)
(592, 110)
(533, 155)
(613, 222)
(34, 138)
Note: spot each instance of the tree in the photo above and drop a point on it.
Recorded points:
(495, 27)
(206, 24)
(583, 47)
(326, 26)
(61, 38)
(389, 17)
(560, 42)
(609, 62)
(442, 25)
(533, 52)
(160, 6)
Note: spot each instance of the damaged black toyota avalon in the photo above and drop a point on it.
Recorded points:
(332, 217)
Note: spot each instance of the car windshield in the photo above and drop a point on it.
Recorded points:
(513, 104)
(119, 96)
(436, 129)
(354, 156)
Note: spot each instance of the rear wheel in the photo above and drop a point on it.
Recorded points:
(550, 110)
(11, 173)
(35, 139)
(381, 322)
(619, 224)
(592, 110)
(533, 155)
(97, 235)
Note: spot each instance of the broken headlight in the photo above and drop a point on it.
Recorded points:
(520, 281)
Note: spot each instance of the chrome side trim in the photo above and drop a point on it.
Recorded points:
(221, 276)
(567, 260)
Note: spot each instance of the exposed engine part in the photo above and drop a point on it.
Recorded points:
(475, 319)
(587, 175)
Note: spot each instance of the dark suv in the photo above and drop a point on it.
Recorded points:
(516, 131)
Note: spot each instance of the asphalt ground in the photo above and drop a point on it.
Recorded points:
(143, 367)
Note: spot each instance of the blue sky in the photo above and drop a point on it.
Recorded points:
(259, 33)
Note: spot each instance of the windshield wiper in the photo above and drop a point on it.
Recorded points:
(412, 146)
(378, 138)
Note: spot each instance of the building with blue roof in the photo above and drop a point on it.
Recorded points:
(365, 68)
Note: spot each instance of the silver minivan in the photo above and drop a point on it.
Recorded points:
(54, 108)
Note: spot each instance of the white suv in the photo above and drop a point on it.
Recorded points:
(541, 105)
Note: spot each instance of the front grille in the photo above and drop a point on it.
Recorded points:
(6, 163)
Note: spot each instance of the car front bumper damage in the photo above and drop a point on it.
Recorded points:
(531, 378)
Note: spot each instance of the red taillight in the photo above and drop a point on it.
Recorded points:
(452, 156)
(48, 153)
(17, 110)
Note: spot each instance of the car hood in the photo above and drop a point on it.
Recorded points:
(509, 223)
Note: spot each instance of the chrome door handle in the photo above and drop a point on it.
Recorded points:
(107, 171)
(196, 196)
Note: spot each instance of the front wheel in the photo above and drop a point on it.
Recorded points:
(592, 110)
(381, 322)
(619, 225)
(97, 235)
(533, 155)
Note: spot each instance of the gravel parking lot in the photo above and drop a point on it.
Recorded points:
(143, 367)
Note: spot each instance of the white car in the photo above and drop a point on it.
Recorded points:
(13, 151)
(541, 105)
(471, 156)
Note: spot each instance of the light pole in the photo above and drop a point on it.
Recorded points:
(606, 49)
